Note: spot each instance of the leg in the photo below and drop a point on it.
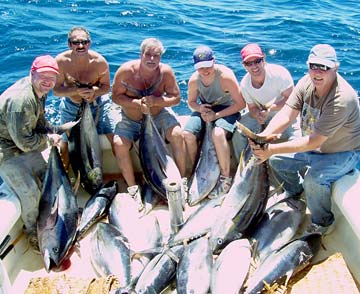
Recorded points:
(287, 170)
(122, 153)
(64, 151)
(191, 147)
(222, 148)
(68, 111)
(175, 136)
(325, 169)
(192, 133)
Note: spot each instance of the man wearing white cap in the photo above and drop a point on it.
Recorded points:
(219, 102)
(330, 144)
(23, 135)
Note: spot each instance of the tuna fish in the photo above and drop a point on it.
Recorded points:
(207, 170)
(110, 253)
(58, 214)
(160, 270)
(278, 226)
(284, 262)
(155, 158)
(85, 151)
(193, 273)
(231, 268)
(96, 207)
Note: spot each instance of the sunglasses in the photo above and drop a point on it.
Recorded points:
(315, 66)
(78, 42)
(256, 61)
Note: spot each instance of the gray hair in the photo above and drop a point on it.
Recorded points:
(78, 29)
(151, 43)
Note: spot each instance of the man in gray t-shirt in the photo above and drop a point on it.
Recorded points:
(329, 147)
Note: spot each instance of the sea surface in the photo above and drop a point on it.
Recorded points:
(285, 29)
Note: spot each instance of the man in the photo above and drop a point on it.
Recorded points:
(141, 86)
(213, 83)
(84, 75)
(265, 88)
(330, 144)
(23, 136)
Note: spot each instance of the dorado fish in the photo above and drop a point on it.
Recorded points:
(155, 159)
(207, 170)
(110, 253)
(96, 207)
(284, 262)
(85, 151)
(58, 213)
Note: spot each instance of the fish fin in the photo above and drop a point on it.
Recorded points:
(172, 255)
(261, 140)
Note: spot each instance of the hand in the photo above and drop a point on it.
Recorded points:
(262, 116)
(144, 108)
(208, 116)
(204, 108)
(54, 139)
(262, 153)
(148, 100)
(87, 94)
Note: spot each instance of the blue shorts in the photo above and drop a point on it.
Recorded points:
(196, 125)
(130, 129)
(105, 125)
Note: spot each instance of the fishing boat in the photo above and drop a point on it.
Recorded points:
(19, 264)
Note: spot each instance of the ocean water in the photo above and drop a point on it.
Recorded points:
(285, 29)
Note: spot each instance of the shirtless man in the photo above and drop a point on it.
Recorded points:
(84, 74)
(141, 86)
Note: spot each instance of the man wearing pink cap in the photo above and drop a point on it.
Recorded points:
(329, 147)
(24, 135)
(265, 88)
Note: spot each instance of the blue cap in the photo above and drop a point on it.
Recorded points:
(203, 57)
(323, 54)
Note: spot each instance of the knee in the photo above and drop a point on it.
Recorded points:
(189, 138)
(218, 134)
(120, 145)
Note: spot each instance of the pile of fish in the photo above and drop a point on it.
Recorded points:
(236, 231)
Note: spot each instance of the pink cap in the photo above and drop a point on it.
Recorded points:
(45, 63)
(251, 50)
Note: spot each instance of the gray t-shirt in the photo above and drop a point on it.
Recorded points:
(335, 116)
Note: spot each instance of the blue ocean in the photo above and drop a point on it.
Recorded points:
(285, 29)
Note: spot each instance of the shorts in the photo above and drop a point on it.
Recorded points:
(130, 129)
(105, 125)
(196, 125)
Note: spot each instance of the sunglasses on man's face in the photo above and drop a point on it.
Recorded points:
(315, 66)
(78, 42)
(256, 61)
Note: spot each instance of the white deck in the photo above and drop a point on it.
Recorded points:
(22, 264)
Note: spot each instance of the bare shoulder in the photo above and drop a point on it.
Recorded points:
(193, 77)
(166, 69)
(128, 68)
(63, 56)
(225, 71)
(97, 57)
